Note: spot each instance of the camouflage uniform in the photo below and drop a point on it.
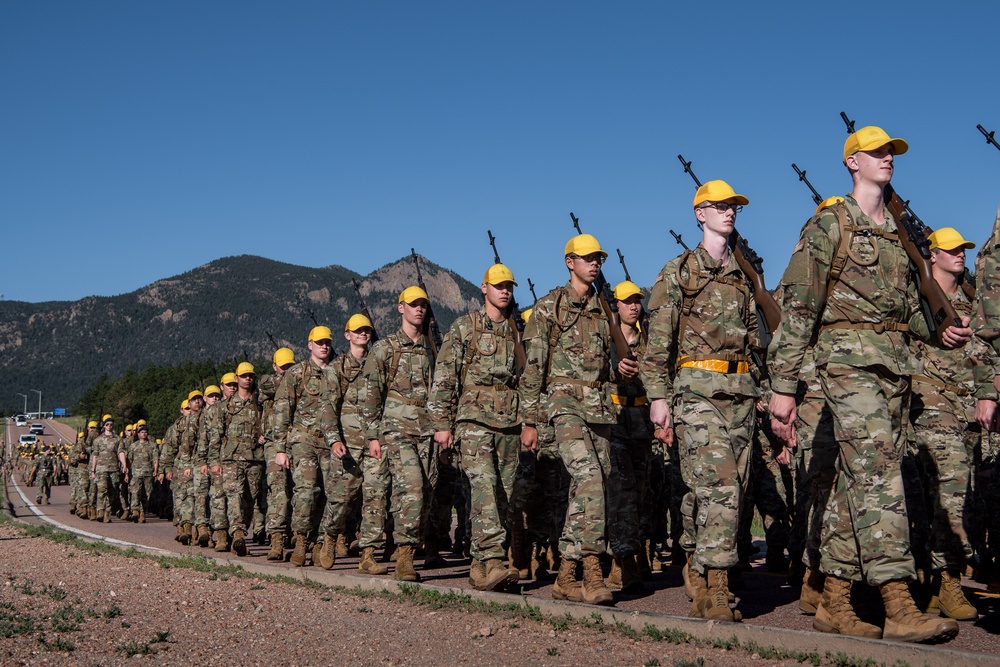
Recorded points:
(395, 413)
(864, 361)
(209, 443)
(567, 383)
(474, 397)
(173, 462)
(140, 457)
(45, 466)
(305, 428)
(201, 482)
(279, 479)
(358, 475)
(106, 467)
(80, 480)
(241, 456)
(703, 311)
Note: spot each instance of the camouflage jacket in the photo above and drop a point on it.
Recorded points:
(721, 324)
(576, 377)
(210, 434)
(105, 454)
(986, 309)
(475, 377)
(397, 379)
(304, 407)
(630, 396)
(348, 371)
(240, 430)
(874, 288)
(80, 453)
(267, 386)
(45, 464)
(140, 456)
(169, 447)
(187, 439)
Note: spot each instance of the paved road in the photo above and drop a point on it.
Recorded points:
(767, 600)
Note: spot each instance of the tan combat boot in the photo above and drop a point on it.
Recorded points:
(128, 516)
(519, 551)
(72, 509)
(315, 550)
(204, 535)
(239, 541)
(904, 622)
(836, 615)
(328, 553)
(298, 558)
(277, 552)
(566, 586)
(698, 586)
(615, 575)
(142, 516)
(92, 513)
(952, 601)
(107, 517)
(497, 576)
(715, 606)
(594, 590)
(185, 536)
(342, 548)
(404, 563)
(369, 565)
(540, 564)
(221, 538)
(477, 574)
(690, 586)
(631, 579)
(812, 592)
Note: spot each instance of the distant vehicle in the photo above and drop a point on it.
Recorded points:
(37, 429)
(20, 420)
(28, 439)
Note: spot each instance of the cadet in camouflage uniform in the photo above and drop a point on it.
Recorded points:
(474, 403)
(209, 443)
(107, 460)
(43, 471)
(201, 477)
(568, 383)
(697, 365)
(80, 457)
(862, 319)
(631, 442)
(239, 460)
(397, 379)
(945, 432)
(188, 433)
(355, 474)
(140, 457)
(171, 466)
(279, 481)
(305, 429)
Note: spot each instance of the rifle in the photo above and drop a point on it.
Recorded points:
(989, 136)
(430, 326)
(817, 197)
(643, 315)
(531, 288)
(680, 241)
(273, 342)
(364, 308)
(606, 298)
(913, 235)
(514, 320)
(768, 312)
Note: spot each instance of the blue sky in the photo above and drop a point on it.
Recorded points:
(143, 139)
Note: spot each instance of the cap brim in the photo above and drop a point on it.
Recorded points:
(968, 245)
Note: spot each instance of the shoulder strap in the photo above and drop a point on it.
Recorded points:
(555, 330)
(397, 354)
(473, 345)
(840, 257)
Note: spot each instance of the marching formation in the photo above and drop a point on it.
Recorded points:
(851, 408)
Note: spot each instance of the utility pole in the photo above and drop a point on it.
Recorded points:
(25, 397)
(39, 402)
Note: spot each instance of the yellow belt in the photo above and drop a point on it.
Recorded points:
(629, 401)
(718, 365)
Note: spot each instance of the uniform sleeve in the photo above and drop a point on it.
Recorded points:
(373, 385)
(284, 405)
(656, 368)
(443, 396)
(536, 343)
(329, 420)
(215, 432)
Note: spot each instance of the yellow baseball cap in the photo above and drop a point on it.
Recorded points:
(212, 389)
(526, 315)
(869, 138)
(107, 418)
(92, 424)
(358, 321)
(141, 422)
(283, 356)
(498, 273)
(412, 294)
(228, 378)
(80, 434)
(625, 289)
(320, 333)
(245, 368)
(948, 238)
(184, 404)
(718, 191)
(829, 201)
(195, 394)
(583, 245)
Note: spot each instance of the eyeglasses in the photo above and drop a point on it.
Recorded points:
(591, 259)
(722, 206)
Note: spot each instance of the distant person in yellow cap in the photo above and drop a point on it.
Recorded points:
(863, 318)
(209, 496)
(279, 479)
(696, 372)
(567, 383)
(397, 379)
(140, 457)
(107, 462)
(194, 506)
(168, 473)
(306, 429)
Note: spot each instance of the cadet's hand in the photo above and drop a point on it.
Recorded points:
(204, 469)
(955, 337)
(444, 439)
(159, 478)
(375, 449)
(170, 476)
(628, 368)
(664, 435)
(986, 413)
(339, 450)
(187, 472)
(216, 470)
(529, 437)
(659, 414)
(782, 409)
(785, 457)
(281, 459)
(996, 382)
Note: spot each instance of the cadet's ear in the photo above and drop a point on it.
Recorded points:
(399, 308)
(569, 263)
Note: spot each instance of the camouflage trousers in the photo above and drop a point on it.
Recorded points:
(768, 491)
(374, 500)
(815, 471)
(183, 499)
(218, 508)
(714, 436)
(585, 450)
(627, 493)
(108, 482)
(242, 484)
(279, 498)
(141, 488)
(546, 483)
(413, 470)
(310, 470)
(44, 486)
(80, 485)
(451, 492)
(343, 490)
(490, 460)
(944, 444)
(984, 525)
(201, 485)
(865, 532)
